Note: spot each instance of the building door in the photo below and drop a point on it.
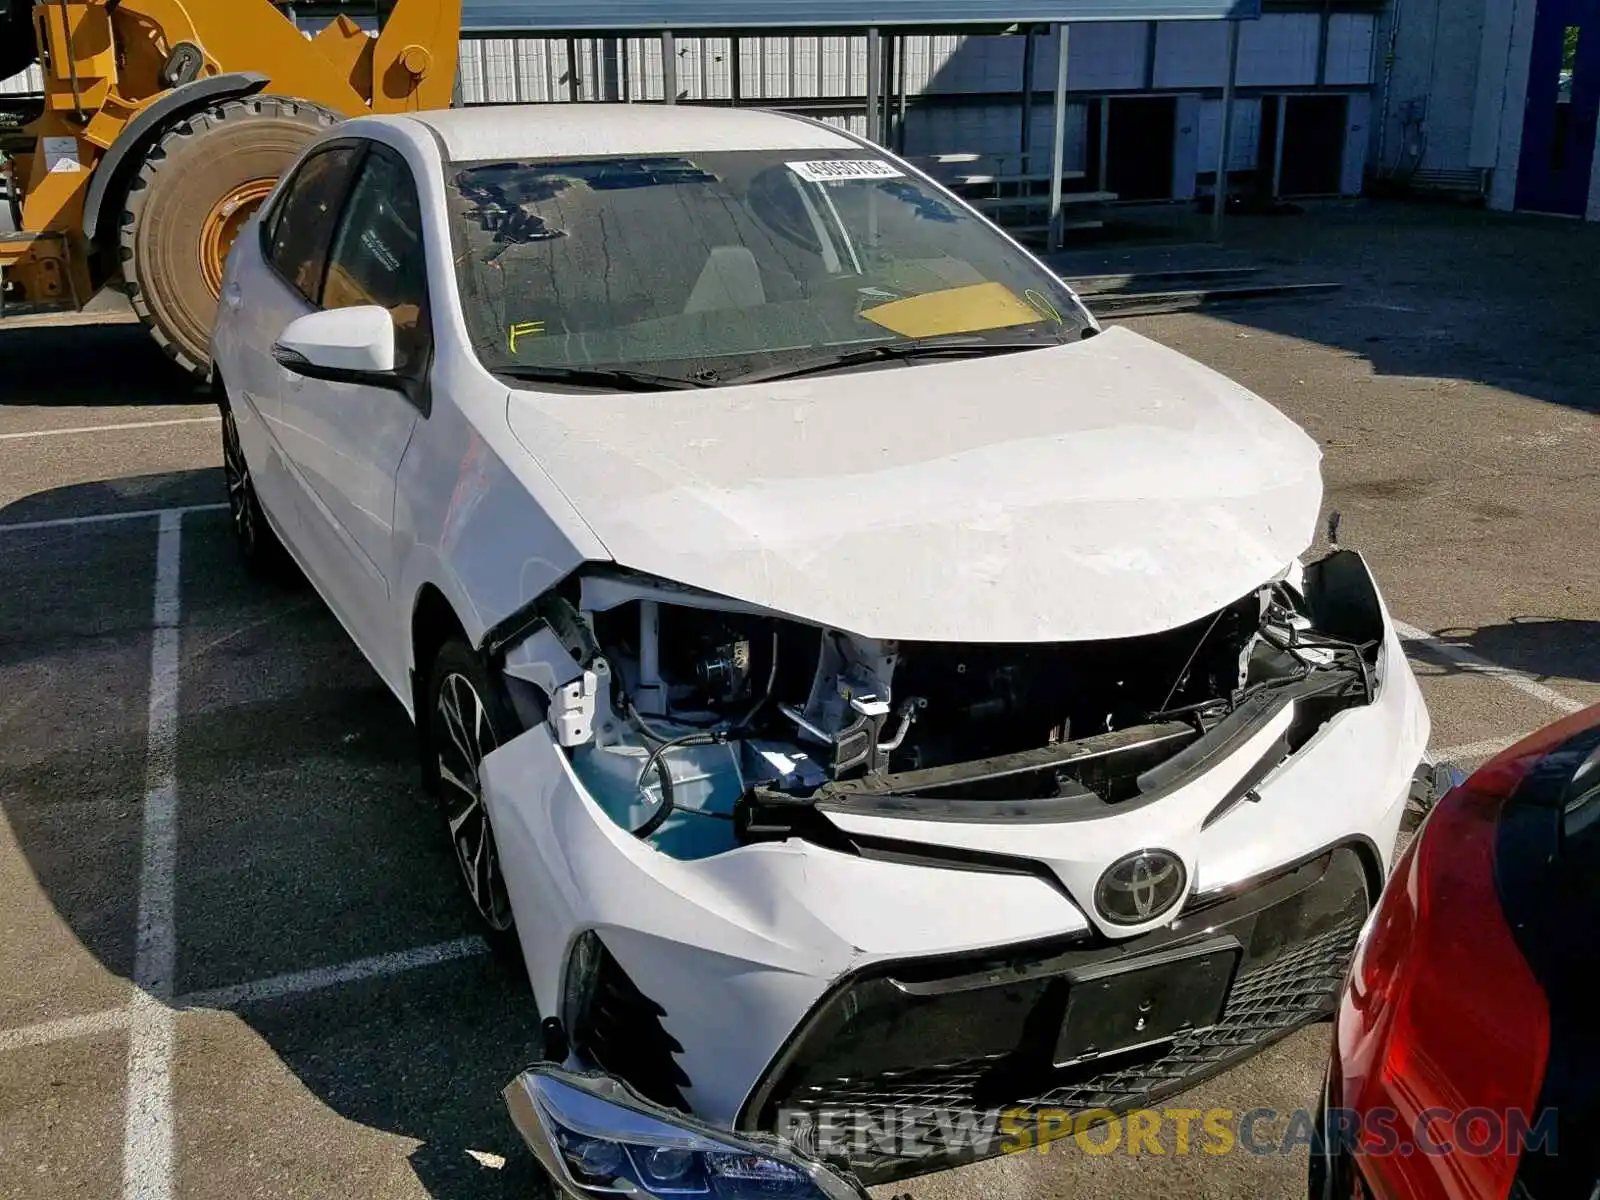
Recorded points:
(1558, 129)
(1141, 137)
(1313, 145)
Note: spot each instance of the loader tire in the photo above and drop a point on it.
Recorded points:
(190, 197)
(17, 49)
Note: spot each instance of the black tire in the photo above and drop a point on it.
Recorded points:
(17, 49)
(259, 548)
(196, 164)
(468, 714)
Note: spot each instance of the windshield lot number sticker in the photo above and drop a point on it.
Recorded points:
(831, 170)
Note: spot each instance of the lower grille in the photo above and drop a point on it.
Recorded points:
(1296, 949)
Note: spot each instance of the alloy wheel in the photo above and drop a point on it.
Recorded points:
(465, 736)
(236, 472)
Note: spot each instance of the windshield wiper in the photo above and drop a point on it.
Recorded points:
(889, 351)
(619, 377)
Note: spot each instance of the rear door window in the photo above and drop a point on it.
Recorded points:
(303, 223)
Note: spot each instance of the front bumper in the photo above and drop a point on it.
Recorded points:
(722, 977)
(861, 1058)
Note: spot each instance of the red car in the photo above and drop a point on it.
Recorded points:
(1466, 1060)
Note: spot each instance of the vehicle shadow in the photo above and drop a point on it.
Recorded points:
(1427, 290)
(1549, 649)
(304, 844)
(133, 493)
(68, 366)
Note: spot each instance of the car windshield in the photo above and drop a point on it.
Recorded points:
(707, 268)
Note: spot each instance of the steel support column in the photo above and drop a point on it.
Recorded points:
(1028, 43)
(1219, 198)
(874, 86)
(1058, 152)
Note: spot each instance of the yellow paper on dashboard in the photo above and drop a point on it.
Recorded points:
(954, 310)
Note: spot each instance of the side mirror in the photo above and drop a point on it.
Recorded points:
(342, 345)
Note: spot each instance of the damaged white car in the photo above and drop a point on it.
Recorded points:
(873, 698)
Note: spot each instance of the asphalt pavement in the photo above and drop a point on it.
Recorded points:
(204, 788)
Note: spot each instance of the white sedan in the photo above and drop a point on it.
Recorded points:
(886, 710)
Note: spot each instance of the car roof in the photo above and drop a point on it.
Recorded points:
(589, 130)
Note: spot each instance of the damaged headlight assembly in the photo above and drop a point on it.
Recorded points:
(596, 1137)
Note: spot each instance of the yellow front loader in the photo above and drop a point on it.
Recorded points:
(165, 123)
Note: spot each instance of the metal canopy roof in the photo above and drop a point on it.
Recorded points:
(595, 16)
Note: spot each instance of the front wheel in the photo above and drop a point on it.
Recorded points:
(468, 717)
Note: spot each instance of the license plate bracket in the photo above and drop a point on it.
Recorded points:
(1122, 1004)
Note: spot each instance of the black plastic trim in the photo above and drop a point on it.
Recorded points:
(841, 795)
(620, 1029)
(1365, 848)
(506, 633)
(136, 134)
(970, 970)
(1217, 743)
(1245, 789)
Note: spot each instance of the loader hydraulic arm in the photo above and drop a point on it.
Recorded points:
(113, 175)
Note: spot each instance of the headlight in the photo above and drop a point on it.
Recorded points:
(597, 1138)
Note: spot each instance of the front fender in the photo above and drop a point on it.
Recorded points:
(492, 536)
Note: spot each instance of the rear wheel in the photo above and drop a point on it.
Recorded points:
(263, 554)
(194, 192)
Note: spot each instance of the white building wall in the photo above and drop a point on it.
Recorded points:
(1457, 98)
(1107, 57)
(1434, 86)
(994, 129)
(1192, 54)
(1357, 124)
(28, 82)
(1494, 58)
(1350, 48)
(1279, 51)
(1503, 184)
(1452, 96)
(1244, 140)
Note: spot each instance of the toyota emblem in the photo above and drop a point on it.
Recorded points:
(1140, 887)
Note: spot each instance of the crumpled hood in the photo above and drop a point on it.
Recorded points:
(1106, 488)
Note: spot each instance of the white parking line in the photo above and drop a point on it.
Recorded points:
(147, 1131)
(1477, 665)
(105, 518)
(314, 980)
(239, 995)
(44, 433)
(1474, 751)
(46, 1032)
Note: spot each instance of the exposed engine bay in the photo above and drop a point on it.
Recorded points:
(700, 723)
